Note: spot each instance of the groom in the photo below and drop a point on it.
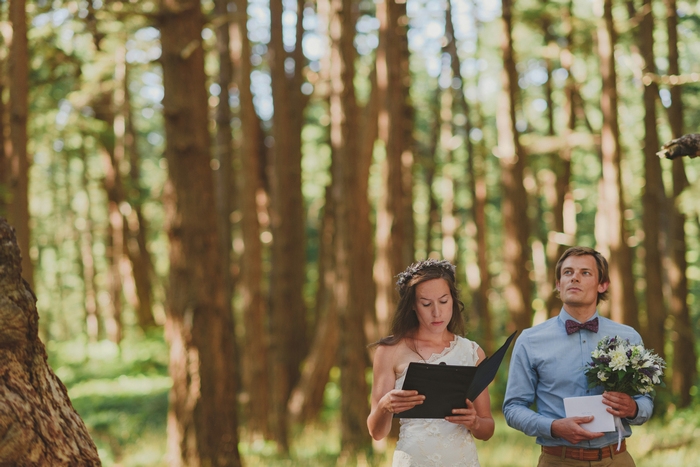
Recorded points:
(547, 366)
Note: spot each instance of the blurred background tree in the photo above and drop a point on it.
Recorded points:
(213, 198)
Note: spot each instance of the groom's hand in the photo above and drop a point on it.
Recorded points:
(570, 429)
(620, 404)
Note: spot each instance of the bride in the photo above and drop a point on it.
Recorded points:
(426, 328)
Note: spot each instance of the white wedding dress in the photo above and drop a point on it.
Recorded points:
(436, 442)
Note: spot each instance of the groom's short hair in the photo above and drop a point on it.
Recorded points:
(601, 263)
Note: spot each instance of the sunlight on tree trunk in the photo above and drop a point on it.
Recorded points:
(255, 361)
(477, 273)
(17, 159)
(610, 222)
(202, 420)
(344, 128)
(392, 236)
(306, 400)
(655, 204)
(512, 158)
(288, 314)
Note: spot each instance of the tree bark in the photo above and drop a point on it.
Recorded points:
(288, 313)
(655, 214)
(306, 400)
(87, 260)
(202, 420)
(18, 160)
(345, 189)
(38, 423)
(448, 219)
(112, 154)
(478, 276)
(394, 239)
(513, 161)
(684, 365)
(610, 228)
(136, 225)
(256, 349)
(224, 173)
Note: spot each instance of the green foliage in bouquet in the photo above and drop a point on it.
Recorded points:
(620, 366)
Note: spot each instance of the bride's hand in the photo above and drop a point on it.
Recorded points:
(398, 400)
(467, 417)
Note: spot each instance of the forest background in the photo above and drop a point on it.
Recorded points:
(207, 193)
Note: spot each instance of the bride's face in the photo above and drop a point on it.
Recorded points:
(433, 305)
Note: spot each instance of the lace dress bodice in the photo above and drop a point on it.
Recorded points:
(436, 442)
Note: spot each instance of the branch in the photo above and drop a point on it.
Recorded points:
(670, 80)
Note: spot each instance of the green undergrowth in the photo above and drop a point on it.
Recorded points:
(122, 395)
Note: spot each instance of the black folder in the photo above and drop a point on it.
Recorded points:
(447, 387)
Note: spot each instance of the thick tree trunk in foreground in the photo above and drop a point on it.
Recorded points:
(38, 425)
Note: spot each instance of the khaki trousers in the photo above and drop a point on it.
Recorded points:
(619, 460)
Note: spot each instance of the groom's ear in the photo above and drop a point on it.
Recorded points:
(603, 287)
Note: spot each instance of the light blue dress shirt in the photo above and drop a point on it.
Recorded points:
(547, 365)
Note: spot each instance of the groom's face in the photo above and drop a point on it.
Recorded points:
(578, 285)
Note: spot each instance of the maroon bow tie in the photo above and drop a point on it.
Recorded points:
(572, 326)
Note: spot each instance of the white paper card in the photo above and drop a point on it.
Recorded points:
(590, 405)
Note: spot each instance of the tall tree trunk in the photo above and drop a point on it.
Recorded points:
(562, 202)
(684, 355)
(429, 165)
(610, 230)
(344, 128)
(4, 147)
(448, 219)
(364, 232)
(288, 314)
(16, 151)
(224, 175)
(37, 419)
(256, 351)
(202, 420)
(516, 250)
(393, 236)
(478, 276)
(307, 398)
(111, 156)
(136, 224)
(653, 198)
(87, 260)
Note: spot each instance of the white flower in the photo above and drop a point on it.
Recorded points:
(602, 376)
(618, 358)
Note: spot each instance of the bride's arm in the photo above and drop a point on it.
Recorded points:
(386, 401)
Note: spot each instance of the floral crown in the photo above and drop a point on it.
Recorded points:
(405, 277)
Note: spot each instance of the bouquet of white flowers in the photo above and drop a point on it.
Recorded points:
(620, 366)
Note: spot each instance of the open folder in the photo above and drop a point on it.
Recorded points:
(447, 387)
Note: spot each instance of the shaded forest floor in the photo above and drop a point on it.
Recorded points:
(123, 399)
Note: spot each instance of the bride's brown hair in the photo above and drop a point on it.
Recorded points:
(405, 320)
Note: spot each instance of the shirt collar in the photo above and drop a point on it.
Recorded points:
(563, 316)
